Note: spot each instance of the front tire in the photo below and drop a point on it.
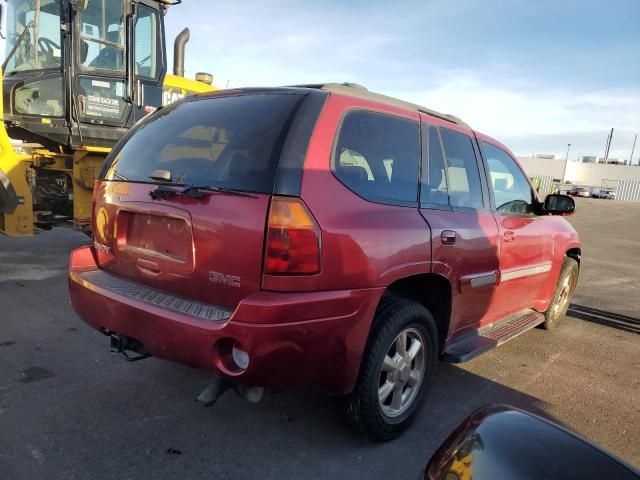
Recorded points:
(396, 370)
(567, 282)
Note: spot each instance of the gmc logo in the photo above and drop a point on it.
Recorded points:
(224, 279)
(101, 248)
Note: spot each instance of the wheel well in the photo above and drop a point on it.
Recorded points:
(574, 253)
(433, 292)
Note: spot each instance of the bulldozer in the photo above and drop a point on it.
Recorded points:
(77, 75)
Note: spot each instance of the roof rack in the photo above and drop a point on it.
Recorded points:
(359, 91)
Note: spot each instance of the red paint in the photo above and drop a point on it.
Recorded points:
(311, 328)
(292, 338)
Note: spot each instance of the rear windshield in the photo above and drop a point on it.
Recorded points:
(226, 141)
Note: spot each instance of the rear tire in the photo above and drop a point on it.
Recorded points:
(396, 370)
(561, 300)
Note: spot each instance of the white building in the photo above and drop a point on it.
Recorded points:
(625, 178)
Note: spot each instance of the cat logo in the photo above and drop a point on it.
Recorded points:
(224, 279)
(170, 95)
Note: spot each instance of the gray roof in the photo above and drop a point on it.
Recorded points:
(358, 91)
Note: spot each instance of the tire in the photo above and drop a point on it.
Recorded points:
(561, 300)
(383, 421)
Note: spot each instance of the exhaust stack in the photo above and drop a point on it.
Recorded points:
(178, 52)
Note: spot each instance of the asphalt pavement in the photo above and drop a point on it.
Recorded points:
(69, 409)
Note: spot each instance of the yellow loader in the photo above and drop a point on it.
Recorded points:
(77, 75)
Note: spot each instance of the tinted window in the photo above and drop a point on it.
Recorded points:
(462, 170)
(232, 142)
(434, 180)
(102, 36)
(102, 98)
(377, 156)
(511, 190)
(146, 63)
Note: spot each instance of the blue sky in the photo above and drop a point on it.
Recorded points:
(535, 74)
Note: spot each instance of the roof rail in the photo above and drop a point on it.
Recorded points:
(359, 91)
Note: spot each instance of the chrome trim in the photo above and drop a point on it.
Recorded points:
(484, 280)
(524, 272)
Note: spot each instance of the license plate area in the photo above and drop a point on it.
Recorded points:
(164, 240)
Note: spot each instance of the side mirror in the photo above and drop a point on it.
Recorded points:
(559, 204)
(504, 442)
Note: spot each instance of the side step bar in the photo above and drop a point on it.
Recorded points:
(486, 338)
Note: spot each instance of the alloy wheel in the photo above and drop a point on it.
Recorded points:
(402, 372)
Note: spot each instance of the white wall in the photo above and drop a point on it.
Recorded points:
(595, 173)
(542, 166)
(583, 173)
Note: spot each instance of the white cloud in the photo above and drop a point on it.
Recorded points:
(537, 119)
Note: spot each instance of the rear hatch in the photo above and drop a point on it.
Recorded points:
(206, 242)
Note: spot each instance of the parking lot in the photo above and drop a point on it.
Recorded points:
(71, 409)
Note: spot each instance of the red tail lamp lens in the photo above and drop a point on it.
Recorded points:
(293, 238)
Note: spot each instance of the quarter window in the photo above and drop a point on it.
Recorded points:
(377, 157)
(511, 190)
(462, 170)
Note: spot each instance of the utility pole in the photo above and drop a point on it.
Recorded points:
(633, 149)
(566, 160)
(606, 153)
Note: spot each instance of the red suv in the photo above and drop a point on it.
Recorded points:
(320, 235)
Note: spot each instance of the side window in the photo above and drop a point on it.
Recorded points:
(146, 39)
(377, 156)
(434, 180)
(462, 170)
(511, 190)
(102, 36)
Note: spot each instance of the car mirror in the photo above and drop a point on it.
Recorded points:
(559, 204)
(504, 442)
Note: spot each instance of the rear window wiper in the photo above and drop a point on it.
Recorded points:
(194, 191)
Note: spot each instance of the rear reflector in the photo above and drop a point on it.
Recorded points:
(293, 238)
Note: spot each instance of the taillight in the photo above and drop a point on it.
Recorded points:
(293, 238)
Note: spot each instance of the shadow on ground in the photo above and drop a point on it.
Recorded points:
(71, 409)
(608, 319)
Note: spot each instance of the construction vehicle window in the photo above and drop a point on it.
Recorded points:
(44, 96)
(226, 141)
(37, 45)
(462, 170)
(146, 43)
(101, 98)
(102, 37)
(377, 157)
(511, 190)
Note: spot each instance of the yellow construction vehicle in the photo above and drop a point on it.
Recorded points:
(76, 76)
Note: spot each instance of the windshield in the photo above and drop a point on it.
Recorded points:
(227, 141)
(33, 30)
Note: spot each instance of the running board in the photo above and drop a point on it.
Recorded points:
(486, 338)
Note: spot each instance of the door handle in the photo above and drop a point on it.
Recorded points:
(448, 237)
(509, 236)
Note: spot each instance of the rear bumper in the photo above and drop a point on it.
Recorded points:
(292, 339)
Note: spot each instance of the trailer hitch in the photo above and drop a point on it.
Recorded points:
(122, 344)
